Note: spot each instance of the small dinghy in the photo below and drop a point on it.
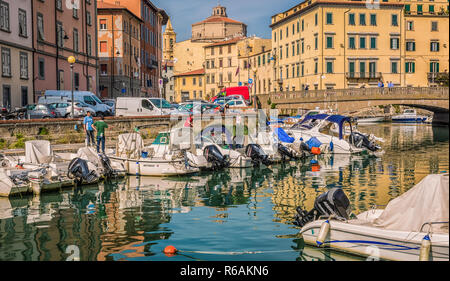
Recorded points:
(412, 227)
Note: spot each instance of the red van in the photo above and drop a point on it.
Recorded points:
(242, 91)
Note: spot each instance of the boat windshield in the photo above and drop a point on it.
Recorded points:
(308, 125)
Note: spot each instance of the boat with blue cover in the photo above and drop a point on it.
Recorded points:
(332, 134)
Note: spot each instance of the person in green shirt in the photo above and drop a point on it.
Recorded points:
(100, 127)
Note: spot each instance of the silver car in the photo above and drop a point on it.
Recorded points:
(64, 109)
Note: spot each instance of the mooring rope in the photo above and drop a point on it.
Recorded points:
(235, 253)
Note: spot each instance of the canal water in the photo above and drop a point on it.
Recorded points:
(231, 215)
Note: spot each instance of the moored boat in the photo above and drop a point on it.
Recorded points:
(409, 116)
(412, 227)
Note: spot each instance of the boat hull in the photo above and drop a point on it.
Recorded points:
(409, 120)
(376, 243)
(159, 168)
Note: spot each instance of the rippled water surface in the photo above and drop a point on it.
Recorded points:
(231, 215)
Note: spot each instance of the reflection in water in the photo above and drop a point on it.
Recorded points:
(233, 210)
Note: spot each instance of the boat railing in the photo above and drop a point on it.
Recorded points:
(431, 224)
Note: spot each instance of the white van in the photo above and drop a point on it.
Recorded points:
(129, 106)
(84, 96)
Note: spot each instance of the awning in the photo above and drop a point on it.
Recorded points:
(339, 119)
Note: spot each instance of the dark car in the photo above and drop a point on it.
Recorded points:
(40, 111)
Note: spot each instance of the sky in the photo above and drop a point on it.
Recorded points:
(257, 14)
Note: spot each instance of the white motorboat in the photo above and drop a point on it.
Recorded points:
(374, 119)
(221, 138)
(317, 131)
(409, 116)
(153, 160)
(412, 227)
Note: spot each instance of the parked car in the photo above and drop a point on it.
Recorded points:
(53, 106)
(84, 96)
(112, 104)
(85, 108)
(235, 103)
(40, 111)
(132, 106)
(64, 109)
(206, 108)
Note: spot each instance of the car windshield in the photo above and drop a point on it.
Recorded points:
(52, 105)
(161, 103)
(97, 99)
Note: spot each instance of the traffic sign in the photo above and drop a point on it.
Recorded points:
(250, 81)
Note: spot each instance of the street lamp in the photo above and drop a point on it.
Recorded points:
(72, 60)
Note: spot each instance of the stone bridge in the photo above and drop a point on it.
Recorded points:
(346, 101)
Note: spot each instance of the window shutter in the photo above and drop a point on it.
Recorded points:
(413, 67)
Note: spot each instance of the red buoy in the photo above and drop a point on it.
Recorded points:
(315, 150)
(170, 250)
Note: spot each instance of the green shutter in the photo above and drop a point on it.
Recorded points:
(352, 67)
(419, 8)
(413, 67)
(437, 67)
(407, 8)
(329, 42)
(431, 67)
(431, 8)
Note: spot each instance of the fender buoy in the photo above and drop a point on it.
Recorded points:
(323, 232)
(315, 150)
(315, 167)
(424, 254)
(19, 167)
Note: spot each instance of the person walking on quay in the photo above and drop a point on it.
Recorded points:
(88, 128)
(100, 127)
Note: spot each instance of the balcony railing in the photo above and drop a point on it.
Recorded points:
(363, 75)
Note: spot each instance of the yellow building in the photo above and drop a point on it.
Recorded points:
(426, 39)
(345, 44)
(190, 85)
(255, 62)
(221, 65)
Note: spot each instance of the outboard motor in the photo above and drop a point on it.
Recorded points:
(359, 140)
(286, 152)
(257, 154)
(109, 171)
(215, 157)
(79, 170)
(333, 202)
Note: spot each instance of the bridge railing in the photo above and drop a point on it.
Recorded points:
(436, 92)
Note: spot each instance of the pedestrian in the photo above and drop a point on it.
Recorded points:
(100, 127)
(307, 87)
(87, 124)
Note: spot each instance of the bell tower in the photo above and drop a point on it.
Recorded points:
(170, 37)
(219, 11)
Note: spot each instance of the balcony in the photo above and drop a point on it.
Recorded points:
(363, 75)
(438, 77)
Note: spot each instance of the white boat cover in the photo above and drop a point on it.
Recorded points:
(5, 184)
(38, 152)
(88, 154)
(130, 146)
(425, 202)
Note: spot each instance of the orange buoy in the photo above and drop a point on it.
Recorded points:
(315, 150)
(170, 251)
(315, 168)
